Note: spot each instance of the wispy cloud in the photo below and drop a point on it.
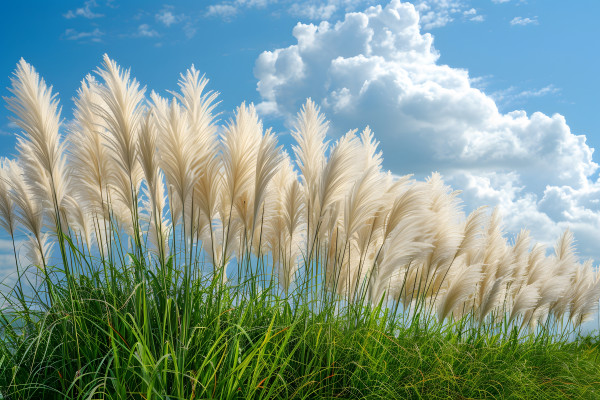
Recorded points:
(10, 127)
(94, 36)
(144, 30)
(221, 10)
(85, 11)
(168, 17)
(189, 29)
(512, 94)
(522, 21)
(471, 15)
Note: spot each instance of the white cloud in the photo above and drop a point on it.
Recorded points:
(85, 11)
(512, 95)
(94, 36)
(167, 18)
(189, 29)
(471, 15)
(221, 10)
(500, 1)
(438, 13)
(314, 11)
(524, 21)
(144, 30)
(8, 270)
(376, 67)
(305, 9)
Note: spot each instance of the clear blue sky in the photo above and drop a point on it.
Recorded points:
(535, 55)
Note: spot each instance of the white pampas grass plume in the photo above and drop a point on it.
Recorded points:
(337, 176)
(564, 250)
(29, 211)
(538, 265)
(373, 158)
(268, 158)
(91, 166)
(492, 298)
(8, 219)
(520, 255)
(473, 233)
(177, 150)
(154, 212)
(41, 151)
(38, 250)
(241, 142)
(406, 244)
(585, 295)
(198, 104)
(461, 288)
(37, 114)
(121, 111)
(309, 132)
(363, 201)
(525, 300)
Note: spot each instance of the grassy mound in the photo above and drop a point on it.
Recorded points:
(154, 340)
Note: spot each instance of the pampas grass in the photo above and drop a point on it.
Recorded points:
(168, 223)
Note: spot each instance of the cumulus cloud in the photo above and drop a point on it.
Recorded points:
(521, 21)
(376, 67)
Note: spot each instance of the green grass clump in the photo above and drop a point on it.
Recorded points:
(149, 338)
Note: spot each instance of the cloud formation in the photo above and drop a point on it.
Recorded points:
(376, 67)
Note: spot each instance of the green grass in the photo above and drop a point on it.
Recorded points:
(143, 332)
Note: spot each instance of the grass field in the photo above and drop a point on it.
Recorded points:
(136, 340)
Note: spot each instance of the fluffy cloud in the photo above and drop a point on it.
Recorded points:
(376, 67)
(167, 18)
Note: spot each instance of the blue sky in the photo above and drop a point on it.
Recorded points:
(500, 96)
